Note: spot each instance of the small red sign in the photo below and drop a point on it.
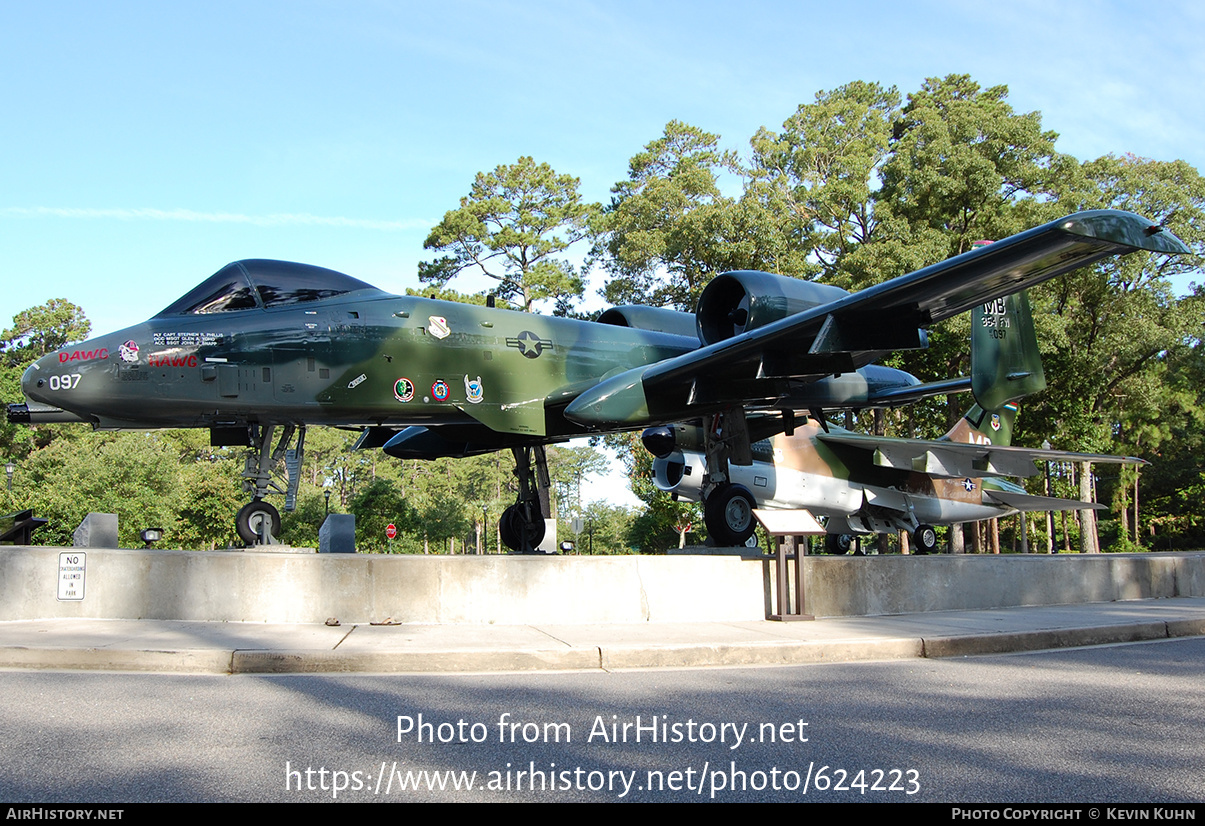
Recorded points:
(391, 530)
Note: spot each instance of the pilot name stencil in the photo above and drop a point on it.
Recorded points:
(190, 338)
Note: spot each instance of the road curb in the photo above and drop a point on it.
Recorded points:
(1039, 640)
(588, 654)
(194, 661)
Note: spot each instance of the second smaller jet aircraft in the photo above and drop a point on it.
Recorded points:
(874, 484)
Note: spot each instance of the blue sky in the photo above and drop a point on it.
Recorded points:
(147, 144)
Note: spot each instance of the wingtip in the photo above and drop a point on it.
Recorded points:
(1125, 228)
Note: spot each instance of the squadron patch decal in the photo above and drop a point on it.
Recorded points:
(128, 352)
(437, 325)
(403, 390)
(439, 390)
(473, 390)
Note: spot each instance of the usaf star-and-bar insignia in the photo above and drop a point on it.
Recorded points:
(529, 344)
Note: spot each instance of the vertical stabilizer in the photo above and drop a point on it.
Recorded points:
(1005, 362)
(982, 427)
(1005, 366)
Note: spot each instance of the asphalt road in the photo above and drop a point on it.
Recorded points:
(1109, 724)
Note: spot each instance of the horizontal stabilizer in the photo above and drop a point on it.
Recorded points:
(960, 459)
(908, 395)
(1025, 502)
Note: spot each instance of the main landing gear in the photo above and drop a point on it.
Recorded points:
(728, 514)
(925, 539)
(521, 527)
(727, 507)
(837, 543)
(258, 523)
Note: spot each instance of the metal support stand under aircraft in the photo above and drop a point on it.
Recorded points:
(522, 524)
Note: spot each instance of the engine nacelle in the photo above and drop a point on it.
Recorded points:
(681, 473)
(736, 302)
(657, 319)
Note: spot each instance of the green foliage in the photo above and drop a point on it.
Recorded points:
(669, 228)
(818, 176)
(35, 332)
(134, 475)
(43, 329)
(513, 226)
(568, 467)
(656, 527)
(377, 506)
(210, 492)
(605, 529)
(448, 294)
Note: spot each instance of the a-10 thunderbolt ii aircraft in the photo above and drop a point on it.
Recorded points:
(875, 484)
(263, 349)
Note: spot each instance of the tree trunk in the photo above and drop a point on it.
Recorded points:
(1136, 539)
(1087, 533)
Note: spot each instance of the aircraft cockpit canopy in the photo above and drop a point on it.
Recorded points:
(263, 284)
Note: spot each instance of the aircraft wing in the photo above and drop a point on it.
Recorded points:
(852, 331)
(959, 460)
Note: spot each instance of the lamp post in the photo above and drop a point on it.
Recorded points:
(1054, 546)
(8, 469)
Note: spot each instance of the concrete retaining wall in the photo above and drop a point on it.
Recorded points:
(840, 586)
(281, 587)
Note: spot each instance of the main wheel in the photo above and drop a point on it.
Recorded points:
(925, 539)
(253, 517)
(728, 513)
(515, 529)
(837, 543)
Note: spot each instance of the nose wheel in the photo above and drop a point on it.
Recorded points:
(258, 523)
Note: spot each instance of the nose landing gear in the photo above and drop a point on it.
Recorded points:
(258, 523)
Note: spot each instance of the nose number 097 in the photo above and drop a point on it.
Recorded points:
(68, 382)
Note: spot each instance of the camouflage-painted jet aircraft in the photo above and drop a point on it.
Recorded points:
(265, 346)
(875, 484)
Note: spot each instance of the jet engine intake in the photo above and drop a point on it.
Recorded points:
(680, 473)
(736, 302)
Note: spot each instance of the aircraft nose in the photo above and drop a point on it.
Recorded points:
(37, 408)
(29, 380)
